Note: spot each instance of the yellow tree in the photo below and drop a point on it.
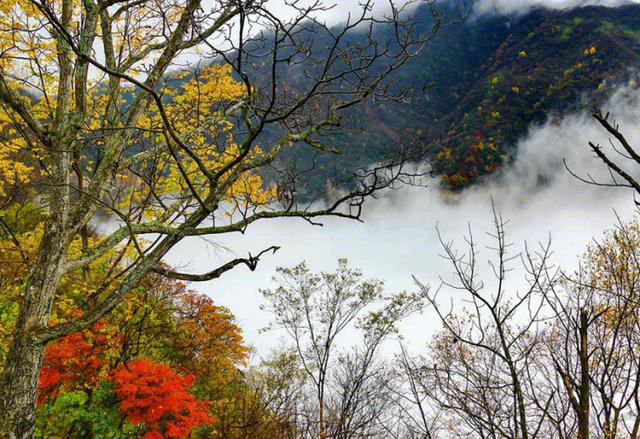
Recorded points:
(94, 120)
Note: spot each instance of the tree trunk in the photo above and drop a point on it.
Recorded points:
(19, 380)
(19, 390)
(323, 433)
(583, 415)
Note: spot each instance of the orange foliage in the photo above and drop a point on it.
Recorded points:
(154, 394)
(72, 361)
(209, 336)
(186, 333)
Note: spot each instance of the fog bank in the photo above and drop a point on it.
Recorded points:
(508, 7)
(398, 238)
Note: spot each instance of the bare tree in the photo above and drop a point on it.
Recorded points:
(562, 355)
(315, 310)
(476, 370)
(416, 415)
(621, 158)
(594, 341)
(569, 359)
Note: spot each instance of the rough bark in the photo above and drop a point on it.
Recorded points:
(19, 385)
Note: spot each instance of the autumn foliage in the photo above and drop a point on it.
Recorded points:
(74, 361)
(154, 394)
(158, 364)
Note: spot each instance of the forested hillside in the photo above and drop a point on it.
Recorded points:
(484, 80)
(472, 92)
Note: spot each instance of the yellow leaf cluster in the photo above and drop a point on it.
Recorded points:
(590, 51)
(13, 171)
(196, 110)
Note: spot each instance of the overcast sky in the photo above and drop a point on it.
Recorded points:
(398, 239)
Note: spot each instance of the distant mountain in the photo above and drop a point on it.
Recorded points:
(548, 64)
(487, 80)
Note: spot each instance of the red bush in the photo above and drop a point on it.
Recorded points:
(156, 395)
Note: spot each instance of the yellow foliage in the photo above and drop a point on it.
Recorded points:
(196, 111)
(590, 51)
(445, 154)
(12, 170)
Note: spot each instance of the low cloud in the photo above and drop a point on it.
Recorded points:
(509, 7)
(398, 238)
(333, 12)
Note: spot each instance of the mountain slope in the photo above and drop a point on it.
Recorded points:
(550, 63)
(487, 80)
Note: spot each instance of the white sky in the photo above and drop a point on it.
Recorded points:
(341, 8)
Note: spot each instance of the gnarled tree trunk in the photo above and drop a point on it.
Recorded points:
(19, 382)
